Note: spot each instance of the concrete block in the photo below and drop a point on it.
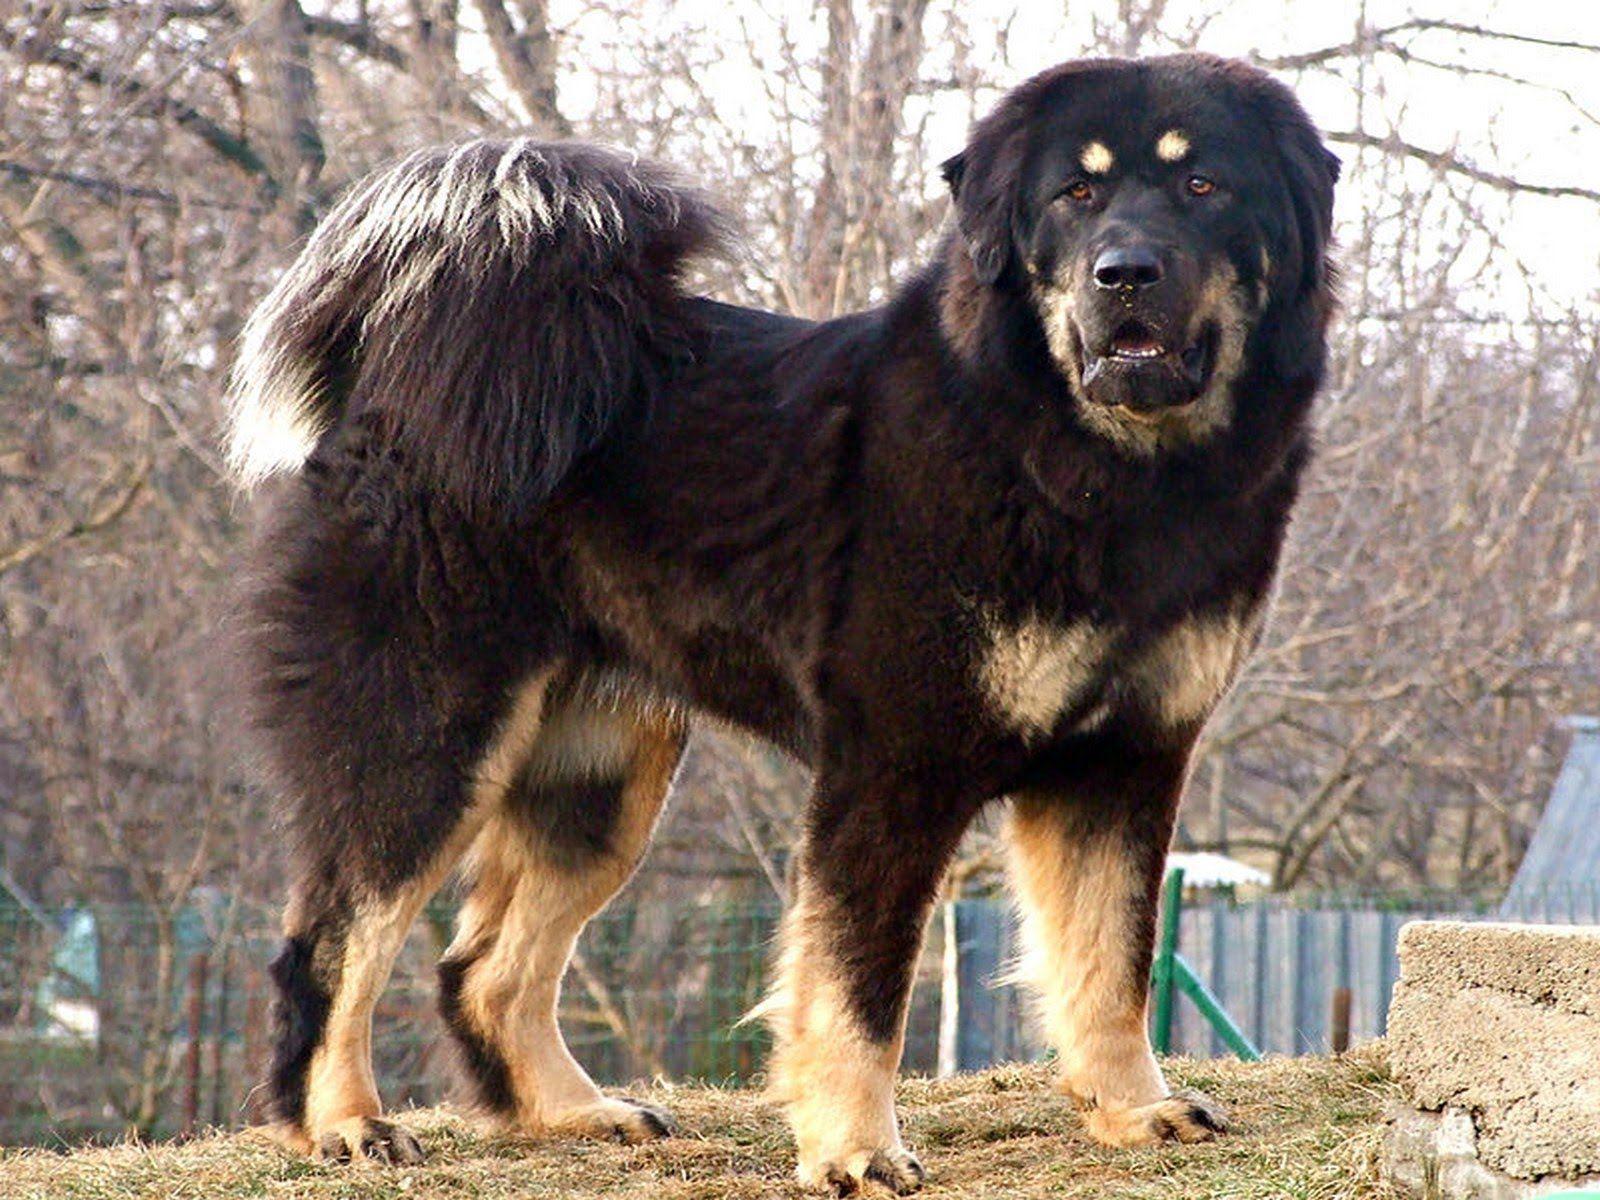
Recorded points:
(1434, 1156)
(1499, 1026)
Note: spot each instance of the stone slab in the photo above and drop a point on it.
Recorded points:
(1503, 1023)
(1434, 1156)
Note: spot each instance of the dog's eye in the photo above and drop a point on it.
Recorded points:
(1078, 190)
(1199, 185)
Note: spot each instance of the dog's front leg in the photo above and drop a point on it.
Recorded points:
(870, 865)
(1087, 859)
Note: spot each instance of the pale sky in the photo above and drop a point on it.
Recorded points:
(1548, 134)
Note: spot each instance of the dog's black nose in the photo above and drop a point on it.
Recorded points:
(1127, 267)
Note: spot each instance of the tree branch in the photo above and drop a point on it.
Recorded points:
(111, 191)
(1442, 160)
(359, 36)
(527, 60)
(1369, 40)
(234, 150)
(107, 512)
(289, 95)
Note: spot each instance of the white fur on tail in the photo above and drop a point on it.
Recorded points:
(390, 240)
(272, 409)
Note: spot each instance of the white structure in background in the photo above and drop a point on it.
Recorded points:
(1207, 870)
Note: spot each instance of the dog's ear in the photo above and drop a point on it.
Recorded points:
(952, 169)
(983, 181)
(1310, 171)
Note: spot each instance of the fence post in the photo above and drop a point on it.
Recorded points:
(191, 1065)
(1162, 976)
(1389, 965)
(254, 1037)
(1258, 976)
(1305, 991)
(1221, 977)
(982, 930)
(1339, 1037)
(219, 1037)
(949, 993)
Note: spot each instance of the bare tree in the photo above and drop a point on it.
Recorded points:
(159, 162)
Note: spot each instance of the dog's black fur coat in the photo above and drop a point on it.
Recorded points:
(538, 454)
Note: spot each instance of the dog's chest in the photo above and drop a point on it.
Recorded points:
(1035, 673)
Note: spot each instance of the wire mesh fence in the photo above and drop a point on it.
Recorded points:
(118, 1019)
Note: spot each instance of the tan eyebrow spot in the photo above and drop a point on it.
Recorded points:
(1172, 145)
(1097, 158)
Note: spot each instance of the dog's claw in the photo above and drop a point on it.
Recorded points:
(894, 1168)
(372, 1140)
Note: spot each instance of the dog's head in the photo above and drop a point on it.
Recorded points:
(1152, 214)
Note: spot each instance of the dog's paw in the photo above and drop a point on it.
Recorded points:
(1186, 1116)
(894, 1168)
(371, 1140)
(619, 1119)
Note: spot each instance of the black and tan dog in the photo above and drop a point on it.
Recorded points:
(1010, 535)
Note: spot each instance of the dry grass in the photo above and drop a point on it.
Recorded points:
(1306, 1129)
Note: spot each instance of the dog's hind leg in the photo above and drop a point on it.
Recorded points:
(364, 871)
(1087, 858)
(342, 938)
(568, 833)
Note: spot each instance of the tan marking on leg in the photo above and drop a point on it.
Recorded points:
(342, 1099)
(511, 994)
(1096, 158)
(340, 1085)
(532, 911)
(1172, 146)
(491, 857)
(836, 1083)
(512, 743)
(1079, 895)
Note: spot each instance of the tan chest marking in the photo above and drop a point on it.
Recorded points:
(1184, 672)
(1033, 672)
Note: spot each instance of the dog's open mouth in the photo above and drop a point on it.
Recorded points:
(1137, 369)
(1133, 342)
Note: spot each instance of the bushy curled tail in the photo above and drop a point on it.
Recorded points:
(500, 305)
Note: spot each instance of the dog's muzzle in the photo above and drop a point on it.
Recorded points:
(1143, 349)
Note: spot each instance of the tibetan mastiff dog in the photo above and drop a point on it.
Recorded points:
(1007, 537)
